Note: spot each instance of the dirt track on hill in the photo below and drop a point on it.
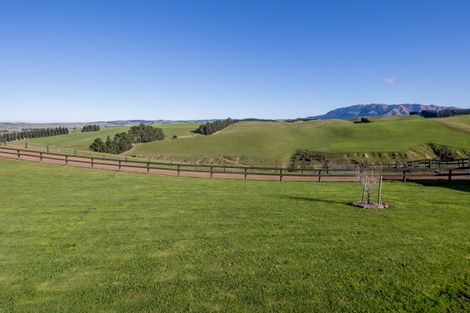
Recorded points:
(123, 166)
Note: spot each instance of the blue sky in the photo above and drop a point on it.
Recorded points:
(103, 60)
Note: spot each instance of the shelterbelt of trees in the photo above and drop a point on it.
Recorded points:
(35, 133)
(90, 128)
(442, 113)
(212, 127)
(123, 141)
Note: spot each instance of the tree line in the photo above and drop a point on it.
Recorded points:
(123, 141)
(35, 133)
(211, 127)
(90, 128)
(442, 113)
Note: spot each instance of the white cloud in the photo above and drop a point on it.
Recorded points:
(391, 80)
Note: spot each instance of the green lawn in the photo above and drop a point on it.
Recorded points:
(80, 240)
(272, 143)
(81, 141)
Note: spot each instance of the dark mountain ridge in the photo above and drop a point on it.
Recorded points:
(375, 109)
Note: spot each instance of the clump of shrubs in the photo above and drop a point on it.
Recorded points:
(211, 127)
(444, 153)
(90, 128)
(145, 133)
(362, 120)
(123, 141)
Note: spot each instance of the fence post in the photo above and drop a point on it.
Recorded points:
(450, 175)
(280, 174)
(211, 172)
(379, 198)
(178, 170)
(148, 167)
(18, 153)
(246, 172)
(92, 160)
(404, 176)
(119, 166)
(40, 156)
(319, 176)
(66, 160)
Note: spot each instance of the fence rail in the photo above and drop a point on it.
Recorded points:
(237, 172)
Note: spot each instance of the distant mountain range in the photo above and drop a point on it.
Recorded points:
(375, 109)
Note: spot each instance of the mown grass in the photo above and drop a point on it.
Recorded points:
(274, 143)
(81, 141)
(80, 240)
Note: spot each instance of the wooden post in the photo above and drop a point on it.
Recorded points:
(379, 198)
(148, 167)
(246, 172)
(404, 176)
(18, 153)
(319, 176)
(280, 174)
(66, 160)
(178, 170)
(40, 156)
(119, 166)
(450, 175)
(211, 172)
(92, 162)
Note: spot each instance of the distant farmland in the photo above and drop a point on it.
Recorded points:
(81, 141)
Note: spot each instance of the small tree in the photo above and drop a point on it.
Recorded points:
(98, 145)
(368, 178)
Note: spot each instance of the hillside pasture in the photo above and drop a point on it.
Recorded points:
(273, 143)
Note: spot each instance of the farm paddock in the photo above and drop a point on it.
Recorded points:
(79, 240)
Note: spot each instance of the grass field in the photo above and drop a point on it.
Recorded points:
(273, 143)
(80, 240)
(81, 141)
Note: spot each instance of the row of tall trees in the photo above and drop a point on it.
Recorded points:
(442, 113)
(212, 127)
(123, 141)
(34, 133)
(90, 128)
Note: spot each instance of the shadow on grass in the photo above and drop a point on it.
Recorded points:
(456, 185)
(310, 199)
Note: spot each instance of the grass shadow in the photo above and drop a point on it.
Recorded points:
(455, 185)
(311, 199)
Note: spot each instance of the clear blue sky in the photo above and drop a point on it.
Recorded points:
(103, 60)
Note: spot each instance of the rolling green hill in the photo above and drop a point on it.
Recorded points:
(271, 143)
